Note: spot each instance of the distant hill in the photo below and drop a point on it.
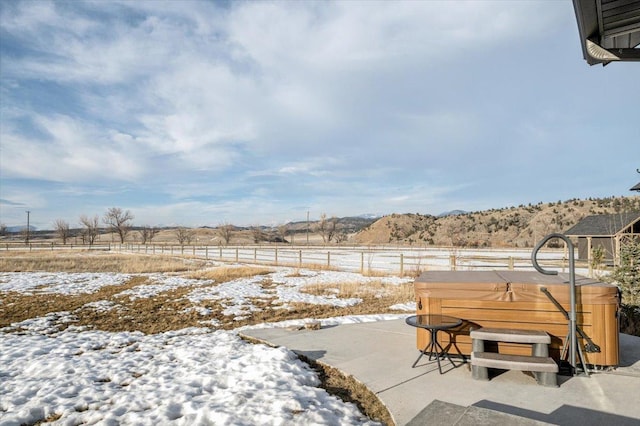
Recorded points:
(521, 226)
(348, 225)
(17, 229)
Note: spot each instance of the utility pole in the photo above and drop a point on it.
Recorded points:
(307, 227)
(28, 213)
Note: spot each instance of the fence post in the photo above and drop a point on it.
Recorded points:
(236, 254)
(194, 250)
(362, 263)
(511, 263)
(402, 264)
(328, 259)
(276, 254)
(220, 252)
(452, 262)
(255, 255)
(206, 252)
(299, 258)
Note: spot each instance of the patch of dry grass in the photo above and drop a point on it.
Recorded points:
(389, 294)
(225, 273)
(93, 261)
(373, 273)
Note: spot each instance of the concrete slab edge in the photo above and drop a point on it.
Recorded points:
(327, 370)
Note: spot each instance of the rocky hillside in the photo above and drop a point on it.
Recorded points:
(521, 226)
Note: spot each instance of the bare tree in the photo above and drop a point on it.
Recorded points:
(62, 229)
(321, 227)
(257, 233)
(225, 231)
(147, 233)
(327, 228)
(332, 228)
(3, 229)
(184, 235)
(118, 221)
(340, 237)
(91, 229)
(25, 234)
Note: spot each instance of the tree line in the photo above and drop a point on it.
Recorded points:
(120, 223)
(115, 219)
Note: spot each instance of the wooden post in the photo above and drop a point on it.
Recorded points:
(328, 259)
(299, 258)
(362, 263)
(452, 262)
(276, 255)
(511, 263)
(206, 252)
(236, 254)
(220, 252)
(402, 264)
(255, 255)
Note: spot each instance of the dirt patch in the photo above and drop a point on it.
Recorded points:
(348, 389)
(17, 307)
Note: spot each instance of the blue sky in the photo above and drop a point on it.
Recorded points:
(202, 113)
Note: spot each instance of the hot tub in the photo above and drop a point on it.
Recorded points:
(513, 299)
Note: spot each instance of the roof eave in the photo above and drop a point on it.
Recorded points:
(601, 46)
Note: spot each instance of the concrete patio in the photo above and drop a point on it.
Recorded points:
(380, 355)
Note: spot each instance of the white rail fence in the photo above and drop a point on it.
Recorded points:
(402, 261)
(363, 259)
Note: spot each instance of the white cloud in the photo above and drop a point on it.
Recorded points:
(70, 150)
(248, 108)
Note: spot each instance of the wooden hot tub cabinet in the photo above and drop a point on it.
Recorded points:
(512, 299)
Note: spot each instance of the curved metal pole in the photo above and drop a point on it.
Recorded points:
(572, 291)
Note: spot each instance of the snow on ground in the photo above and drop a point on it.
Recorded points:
(161, 283)
(188, 377)
(58, 282)
(191, 376)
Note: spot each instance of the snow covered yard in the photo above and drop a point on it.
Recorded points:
(84, 362)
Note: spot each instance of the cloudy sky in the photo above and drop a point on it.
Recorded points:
(200, 112)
